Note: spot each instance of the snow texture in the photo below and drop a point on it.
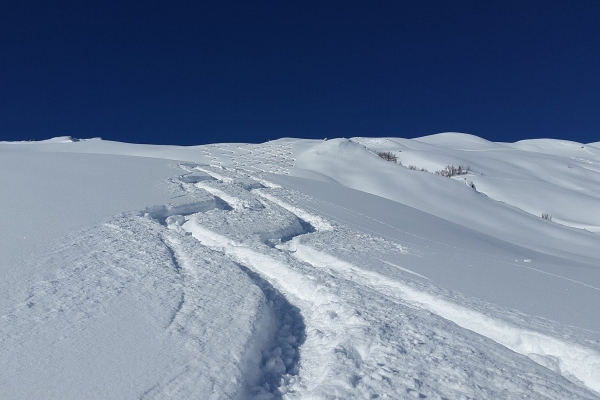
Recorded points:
(301, 269)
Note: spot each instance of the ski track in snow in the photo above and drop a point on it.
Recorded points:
(308, 322)
(327, 327)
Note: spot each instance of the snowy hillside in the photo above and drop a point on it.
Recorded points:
(300, 269)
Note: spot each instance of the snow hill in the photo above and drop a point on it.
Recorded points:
(300, 269)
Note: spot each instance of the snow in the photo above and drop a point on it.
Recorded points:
(300, 269)
(47, 195)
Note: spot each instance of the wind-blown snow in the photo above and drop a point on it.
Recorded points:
(300, 269)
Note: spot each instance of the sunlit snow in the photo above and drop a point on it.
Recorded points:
(300, 269)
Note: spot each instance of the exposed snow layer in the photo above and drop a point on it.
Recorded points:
(300, 269)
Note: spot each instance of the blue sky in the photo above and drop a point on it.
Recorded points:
(193, 72)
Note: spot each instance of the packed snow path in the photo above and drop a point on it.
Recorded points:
(367, 334)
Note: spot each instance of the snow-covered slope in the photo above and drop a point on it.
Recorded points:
(300, 269)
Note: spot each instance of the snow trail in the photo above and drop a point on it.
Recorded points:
(306, 282)
(568, 359)
(270, 360)
(246, 289)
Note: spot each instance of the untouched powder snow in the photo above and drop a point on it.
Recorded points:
(44, 196)
(300, 269)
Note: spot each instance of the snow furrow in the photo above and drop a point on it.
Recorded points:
(568, 359)
(339, 359)
(271, 360)
(319, 304)
(238, 344)
(285, 281)
(280, 354)
(573, 361)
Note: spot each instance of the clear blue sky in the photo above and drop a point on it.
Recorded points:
(193, 72)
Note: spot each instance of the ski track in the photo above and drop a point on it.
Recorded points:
(313, 324)
(323, 345)
(267, 376)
